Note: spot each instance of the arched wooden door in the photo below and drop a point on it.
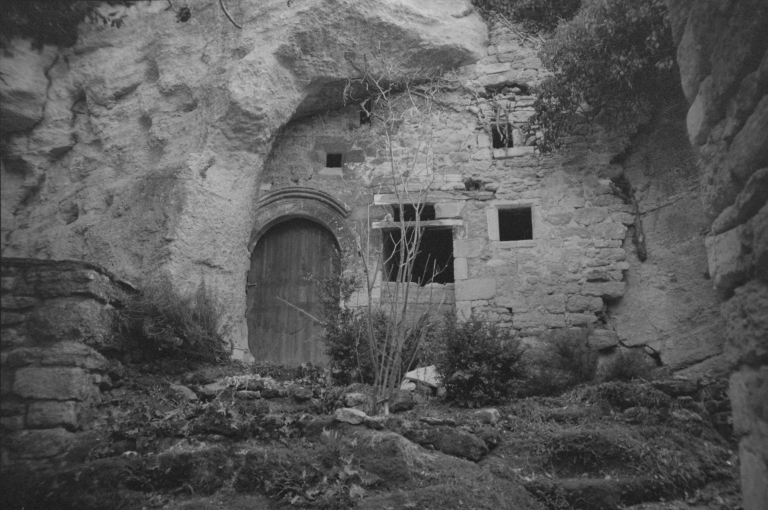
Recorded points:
(287, 264)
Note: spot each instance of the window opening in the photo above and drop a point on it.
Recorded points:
(515, 224)
(365, 111)
(434, 261)
(426, 212)
(333, 160)
(502, 135)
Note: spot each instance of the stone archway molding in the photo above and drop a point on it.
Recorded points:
(303, 202)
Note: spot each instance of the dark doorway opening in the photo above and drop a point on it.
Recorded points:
(502, 135)
(515, 224)
(434, 261)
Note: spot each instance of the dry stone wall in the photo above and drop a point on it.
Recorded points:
(56, 317)
(723, 59)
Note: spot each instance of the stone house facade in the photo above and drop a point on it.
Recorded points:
(536, 241)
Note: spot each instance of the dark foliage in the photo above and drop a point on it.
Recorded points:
(478, 361)
(614, 59)
(566, 360)
(162, 322)
(53, 23)
(534, 14)
(626, 366)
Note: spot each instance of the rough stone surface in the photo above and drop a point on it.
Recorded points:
(42, 444)
(53, 383)
(147, 149)
(348, 415)
(490, 416)
(52, 414)
(747, 324)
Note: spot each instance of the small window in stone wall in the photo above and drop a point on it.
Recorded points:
(515, 224)
(433, 263)
(502, 135)
(333, 160)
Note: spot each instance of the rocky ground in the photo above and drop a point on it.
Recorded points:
(242, 437)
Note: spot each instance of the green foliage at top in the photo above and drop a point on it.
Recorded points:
(49, 22)
(614, 57)
(534, 14)
(477, 360)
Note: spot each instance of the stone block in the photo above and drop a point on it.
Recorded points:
(753, 464)
(468, 248)
(746, 323)
(748, 390)
(748, 202)
(579, 303)
(729, 255)
(17, 303)
(749, 150)
(71, 319)
(590, 215)
(603, 339)
(24, 356)
(580, 319)
(460, 268)
(11, 318)
(607, 290)
(53, 383)
(449, 210)
(471, 290)
(42, 444)
(51, 414)
(609, 230)
(74, 354)
(513, 152)
(463, 310)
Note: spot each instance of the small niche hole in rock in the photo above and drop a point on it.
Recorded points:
(333, 160)
(515, 224)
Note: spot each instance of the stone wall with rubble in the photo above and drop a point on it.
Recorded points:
(56, 317)
(575, 270)
(723, 58)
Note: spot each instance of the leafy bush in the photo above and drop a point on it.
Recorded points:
(163, 322)
(534, 14)
(566, 360)
(346, 334)
(614, 57)
(626, 366)
(477, 361)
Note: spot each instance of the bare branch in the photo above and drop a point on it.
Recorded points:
(226, 13)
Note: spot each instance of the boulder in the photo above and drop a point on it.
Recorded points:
(24, 87)
(355, 399)
(349, 415)
(183, 393)
(401, 401)
(425, 375)
(490, 416)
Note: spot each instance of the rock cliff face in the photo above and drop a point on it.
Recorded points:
(142, 147)
(723, 59)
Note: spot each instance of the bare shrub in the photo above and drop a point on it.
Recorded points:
(161, 321)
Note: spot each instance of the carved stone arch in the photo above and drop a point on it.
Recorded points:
(301, 202)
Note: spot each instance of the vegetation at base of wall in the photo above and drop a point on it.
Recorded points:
(346, 333)
(534, 14)
(477, 360)
(614, 59)
(565, 360)
(162, 322)
(628, 366)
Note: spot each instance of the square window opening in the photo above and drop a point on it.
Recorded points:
(515, 224)
(502, 135)
(333, 160)
(433, 262)
(426, 212)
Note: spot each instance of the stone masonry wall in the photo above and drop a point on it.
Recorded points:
(572, 269)
(723, 58)
(56, 317)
